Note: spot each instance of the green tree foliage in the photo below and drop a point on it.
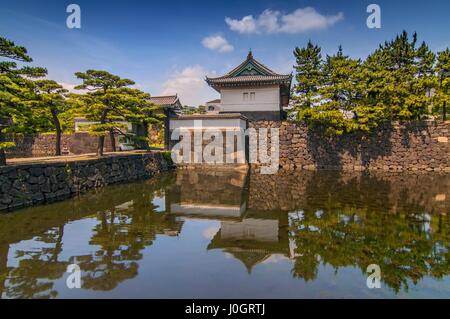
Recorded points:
(109, 101)
(140, 111)
(103, 102)
(394, 83)
(16, 91)
(50, 105)
(338, 94)
(308, 75)
(397, 78)
(442, 96)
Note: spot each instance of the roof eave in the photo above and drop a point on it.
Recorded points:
(217, 86)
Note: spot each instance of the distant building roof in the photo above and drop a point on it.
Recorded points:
(216, 101)
(212, 116)
(166, 100)
(250, 72)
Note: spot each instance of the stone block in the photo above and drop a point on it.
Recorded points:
(36, 171)
(442, 139)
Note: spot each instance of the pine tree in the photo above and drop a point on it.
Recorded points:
(103, 103)
(419, 100)
(109, 101)
(51, 104)
(394, 83)
(335, 93)
(16, 92)
(339, 93)
(308, 75)
(140, 111)
(397, 78)
(442, 96)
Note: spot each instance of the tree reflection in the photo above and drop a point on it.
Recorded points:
(399, 222)
(356, 220)
(126, 224)
(37, 267)
(121, 236)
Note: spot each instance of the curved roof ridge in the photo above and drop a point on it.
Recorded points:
(256, 63)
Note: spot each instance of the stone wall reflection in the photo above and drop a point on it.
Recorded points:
(377, 191)
(308, 219)
(249, 236)
(211, 193)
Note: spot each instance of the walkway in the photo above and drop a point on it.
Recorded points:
(71, 158)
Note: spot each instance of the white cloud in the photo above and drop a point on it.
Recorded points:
(190, 85)
(246, 25)
(298, 21)
(303, 20)
(268, 20)
(218, 43)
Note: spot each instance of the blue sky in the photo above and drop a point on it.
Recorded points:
(170, 46)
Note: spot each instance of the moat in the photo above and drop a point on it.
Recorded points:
(233, 234)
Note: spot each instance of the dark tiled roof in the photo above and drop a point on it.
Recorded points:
(212, 116)
(264, 75)
(214, 101)
(258, 64)
(164, 100)
(251, 78)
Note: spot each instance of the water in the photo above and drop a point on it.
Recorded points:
(218, 234)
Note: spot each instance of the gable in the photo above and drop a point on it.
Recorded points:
(249, 68)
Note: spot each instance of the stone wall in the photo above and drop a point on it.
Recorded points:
(36, 145)
(30, 184)
(414, 146)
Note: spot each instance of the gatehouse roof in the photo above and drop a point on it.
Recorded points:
(250, 73)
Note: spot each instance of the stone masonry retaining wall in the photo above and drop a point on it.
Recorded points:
(36, 145)
(415, 146)
(29, 184)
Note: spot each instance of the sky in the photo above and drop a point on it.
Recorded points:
(169, 47)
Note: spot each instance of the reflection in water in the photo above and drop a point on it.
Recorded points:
(158, 235)
(399, 222)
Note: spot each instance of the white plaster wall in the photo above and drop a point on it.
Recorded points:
(266, 99)
(251, 229)
(207, 210)
(207, 123)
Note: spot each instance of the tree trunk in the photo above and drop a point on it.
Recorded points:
(444, 111)
(2, 152)
(58, 245)
(101, 139)
(146, 135)
(58, 133)
(101, 142)
(4, 250)
(113, 140)
(2, 157)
